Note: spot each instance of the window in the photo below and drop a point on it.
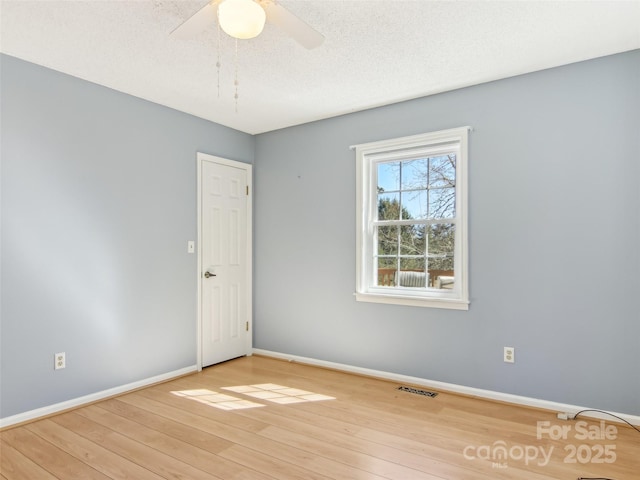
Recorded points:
(412, 220)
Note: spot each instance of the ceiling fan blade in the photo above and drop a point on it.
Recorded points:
(300, 31)
(199, 21)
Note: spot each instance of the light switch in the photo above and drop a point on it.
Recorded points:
(191, 246)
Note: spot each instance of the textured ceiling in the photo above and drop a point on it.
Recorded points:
(375, 52)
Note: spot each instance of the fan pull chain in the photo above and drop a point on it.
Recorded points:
(235, 82)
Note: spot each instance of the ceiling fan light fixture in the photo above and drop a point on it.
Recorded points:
(241, 19)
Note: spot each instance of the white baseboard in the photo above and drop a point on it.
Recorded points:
(77, 402)
(452, 387)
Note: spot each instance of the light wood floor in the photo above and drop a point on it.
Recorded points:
(370, 430)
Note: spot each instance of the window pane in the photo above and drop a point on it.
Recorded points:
(441, 264)
(441, 248)
(441, 273)
(412, 273)
(412, 264)
(388, 176)
(386, 272)
(387, 240)
(389, 206)
(412, 240)
(414, 204)
(442, 171)
(414, 174)
(441, 239)
(442, 203)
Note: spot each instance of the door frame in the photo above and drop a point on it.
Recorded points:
(248, 168)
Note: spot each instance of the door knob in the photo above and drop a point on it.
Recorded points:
(207, 274)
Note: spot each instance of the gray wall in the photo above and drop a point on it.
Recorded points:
(98, 202)
(554, 233)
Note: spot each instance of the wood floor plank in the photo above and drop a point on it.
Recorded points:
(370, 462)
(344, 452)
(486, 430)
(92, 453)
(191, 454)
(161, 434)
(149, 462)
(370, 441)
(206, 458)
(454, 439)
(15, 466)
(393, 419)
(381, 397)
(268, 463)
(200, 438)
(346, 435)
(351, 387)
(238, 430)
(369, 431)
(418, 436)
(296, 421)
(53, 459)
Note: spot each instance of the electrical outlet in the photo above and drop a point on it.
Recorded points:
(509, 355)
(60, 361)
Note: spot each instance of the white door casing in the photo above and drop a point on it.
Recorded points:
(224, 259)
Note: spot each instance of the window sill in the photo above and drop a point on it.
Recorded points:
(447, 303)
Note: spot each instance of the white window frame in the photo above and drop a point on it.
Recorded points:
(367, 157)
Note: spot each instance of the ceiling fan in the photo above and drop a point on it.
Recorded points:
(245, 19)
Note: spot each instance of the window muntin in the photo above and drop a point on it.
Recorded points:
(412, 220)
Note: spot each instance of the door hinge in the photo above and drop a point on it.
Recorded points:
(247, 326)
(247, 189)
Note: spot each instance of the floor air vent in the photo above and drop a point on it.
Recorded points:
(417, 391)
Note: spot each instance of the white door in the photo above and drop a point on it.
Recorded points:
(224, 259)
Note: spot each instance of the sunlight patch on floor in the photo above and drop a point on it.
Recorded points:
(217, 400)
(278, 393)
(270, 392)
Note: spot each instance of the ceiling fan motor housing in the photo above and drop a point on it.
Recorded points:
(241, 19)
